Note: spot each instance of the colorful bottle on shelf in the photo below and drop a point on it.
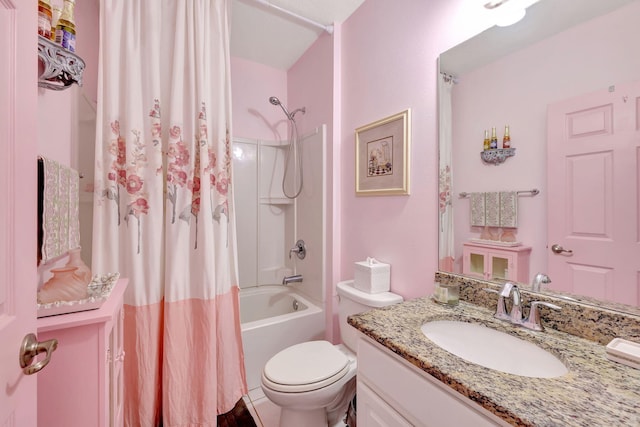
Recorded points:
(506, 139)
(57, 11)
(487, 143)
(494, 139)
(66, 27)
(44, 18)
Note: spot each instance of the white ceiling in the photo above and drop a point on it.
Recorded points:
(263, 34)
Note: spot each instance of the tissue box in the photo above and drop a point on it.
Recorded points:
(372, 276)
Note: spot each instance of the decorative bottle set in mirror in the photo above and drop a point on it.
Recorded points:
(492, 143)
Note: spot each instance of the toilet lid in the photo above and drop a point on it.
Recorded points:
(307, 363)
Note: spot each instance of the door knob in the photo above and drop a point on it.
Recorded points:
(557, 249)
(30, 348)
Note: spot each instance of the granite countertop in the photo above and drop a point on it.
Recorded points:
(595, 392)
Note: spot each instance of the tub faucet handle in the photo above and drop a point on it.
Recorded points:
(299, 249)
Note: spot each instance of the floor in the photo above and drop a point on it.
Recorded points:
(264, 412)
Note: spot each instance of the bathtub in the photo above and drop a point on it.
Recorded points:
(272, 318)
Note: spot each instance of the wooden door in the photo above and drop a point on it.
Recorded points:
(593, 149)
(18, 135)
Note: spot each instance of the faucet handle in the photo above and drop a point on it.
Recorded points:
(501, 309)
(506, 289)
(533, 321)
(299, 249)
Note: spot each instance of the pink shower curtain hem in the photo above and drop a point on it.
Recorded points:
(201, 343)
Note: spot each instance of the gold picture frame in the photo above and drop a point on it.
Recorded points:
(382, 156)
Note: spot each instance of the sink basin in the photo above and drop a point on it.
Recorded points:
(494, 349)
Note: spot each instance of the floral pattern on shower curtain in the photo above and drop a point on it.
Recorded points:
(163, 209)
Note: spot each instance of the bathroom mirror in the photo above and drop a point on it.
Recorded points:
(553, 54)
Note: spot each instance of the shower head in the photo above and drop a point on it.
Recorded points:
(275, 101)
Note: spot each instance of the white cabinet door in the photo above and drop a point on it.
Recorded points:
(421, 399)
(375, 412)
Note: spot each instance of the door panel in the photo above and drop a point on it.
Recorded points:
(18, 281)
(593, 149)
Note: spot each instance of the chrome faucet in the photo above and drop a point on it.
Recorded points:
(515, 315)
(539, 280)
(296, 278)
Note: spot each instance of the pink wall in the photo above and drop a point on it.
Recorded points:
(516, 91)
(87, 14)
(56, 120)
(389, 63)
(311, 84)
(57, 111)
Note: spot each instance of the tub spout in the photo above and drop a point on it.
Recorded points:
(292, 279)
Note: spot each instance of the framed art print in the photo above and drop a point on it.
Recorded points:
(382, 156)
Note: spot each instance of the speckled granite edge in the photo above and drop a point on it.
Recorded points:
(592, 320)
(595, 392)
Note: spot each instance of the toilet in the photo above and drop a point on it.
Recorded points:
(314, 381)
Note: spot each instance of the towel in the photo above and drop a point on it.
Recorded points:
(477, 210)
(492, 209)
(60, 201)
(508, 209)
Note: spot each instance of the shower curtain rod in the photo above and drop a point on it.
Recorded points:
(327, 28)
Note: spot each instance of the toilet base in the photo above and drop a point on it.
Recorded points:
(307, 418)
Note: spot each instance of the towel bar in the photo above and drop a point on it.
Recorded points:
(533, 192)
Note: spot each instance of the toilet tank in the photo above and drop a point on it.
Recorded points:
(354, 301)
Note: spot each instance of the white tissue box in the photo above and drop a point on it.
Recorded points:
(372, 276)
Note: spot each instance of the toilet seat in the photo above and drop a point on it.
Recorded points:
(305, 367)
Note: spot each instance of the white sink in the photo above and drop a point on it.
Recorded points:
(494, 349)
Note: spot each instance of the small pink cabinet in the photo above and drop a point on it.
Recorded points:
(83, 385)
(490, 262)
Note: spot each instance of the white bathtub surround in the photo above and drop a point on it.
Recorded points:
(270, 323)
(269, 224)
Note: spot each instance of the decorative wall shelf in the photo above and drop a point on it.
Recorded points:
(61, 67)
(497, 156)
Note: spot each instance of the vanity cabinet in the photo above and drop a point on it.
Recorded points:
(392, 392)
(83, 383)
(490, 262)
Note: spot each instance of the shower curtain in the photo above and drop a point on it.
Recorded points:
(163, 208)
(445, 240)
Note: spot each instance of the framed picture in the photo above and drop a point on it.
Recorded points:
(382, 156)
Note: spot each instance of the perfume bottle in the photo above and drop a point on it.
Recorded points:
(494, 139)
(487, 143)
(506, 139)
(66, 27)
(44, 18)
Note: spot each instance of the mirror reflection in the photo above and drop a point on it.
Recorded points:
(562, 80)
